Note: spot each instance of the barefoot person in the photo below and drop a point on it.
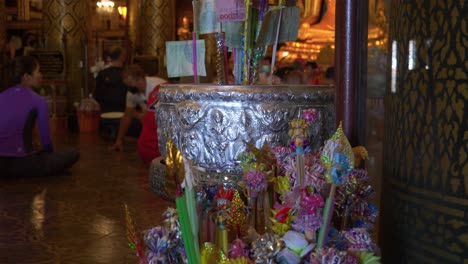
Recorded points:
(140, 106)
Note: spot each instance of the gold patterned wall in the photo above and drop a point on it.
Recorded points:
(425, 187)
(2, 24)
(3, 56)
(64, 23)
(157, 26)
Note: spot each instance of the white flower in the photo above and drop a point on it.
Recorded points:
(297, 243)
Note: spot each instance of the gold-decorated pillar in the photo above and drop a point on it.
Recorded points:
(2, 23)
(3, 35)
(3, 40)
(157, 27)
(425, 185)
(64, 24)
(133, 15)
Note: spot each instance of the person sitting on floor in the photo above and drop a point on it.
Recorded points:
(20, 108)
(141, 103)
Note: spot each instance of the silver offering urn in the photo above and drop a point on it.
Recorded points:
(211, 124)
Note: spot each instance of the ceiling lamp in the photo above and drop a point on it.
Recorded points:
(105, 6)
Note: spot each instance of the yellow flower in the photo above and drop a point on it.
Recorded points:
(277, 226)
(281, 184)
(239, 260)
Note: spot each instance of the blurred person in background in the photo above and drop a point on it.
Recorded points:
(111, 91)
(111, 94)
(329, 76)
(295, 77)
(141, 102)
(265, 70)
(312, 73)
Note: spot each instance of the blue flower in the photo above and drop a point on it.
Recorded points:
(340, 169)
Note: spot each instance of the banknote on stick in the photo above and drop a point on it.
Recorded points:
(180, 59)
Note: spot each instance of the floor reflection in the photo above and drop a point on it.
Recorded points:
(38, 213)
(78, 218)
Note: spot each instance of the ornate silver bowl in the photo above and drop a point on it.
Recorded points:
(210, 124)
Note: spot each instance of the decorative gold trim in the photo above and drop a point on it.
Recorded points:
(421, 191)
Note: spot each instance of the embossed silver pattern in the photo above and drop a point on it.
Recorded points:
(210, 124)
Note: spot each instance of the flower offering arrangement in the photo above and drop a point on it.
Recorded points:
(293, 205)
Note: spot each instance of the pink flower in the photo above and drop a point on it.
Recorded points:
(255, 180)
(310, 115)
(312, 203)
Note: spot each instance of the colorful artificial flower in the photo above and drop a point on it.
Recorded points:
(246, 159)
(309, 216)
(164, 245)
(310, 115)
(223, 197)
(281, 184)
(358, 239)
(311, 203)
(255, 181)
(282, 215)
(281, 152)
(288, 256)
(352, 200)
(290, 169)
(307, 223)
(297, 242)
(281, 220)
(291, 234)
(238, 249)
(266, 247)
(239, 260)
(299, 132)
(368, 258)
(340, 169)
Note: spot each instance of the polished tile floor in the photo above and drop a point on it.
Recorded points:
(78, 218)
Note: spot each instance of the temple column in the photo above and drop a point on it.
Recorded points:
(350, 67)
(133, 22)
(424, 213)
(3, 35)
(2, 23)
(65, 27)
(3, 42)
(157, 26)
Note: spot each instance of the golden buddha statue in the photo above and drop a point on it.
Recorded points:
(322, 32)
(317, 30)
(183, 32)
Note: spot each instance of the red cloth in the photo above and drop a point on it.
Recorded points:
(147, 143)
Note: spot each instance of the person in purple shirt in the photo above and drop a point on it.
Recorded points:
(21, 109)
